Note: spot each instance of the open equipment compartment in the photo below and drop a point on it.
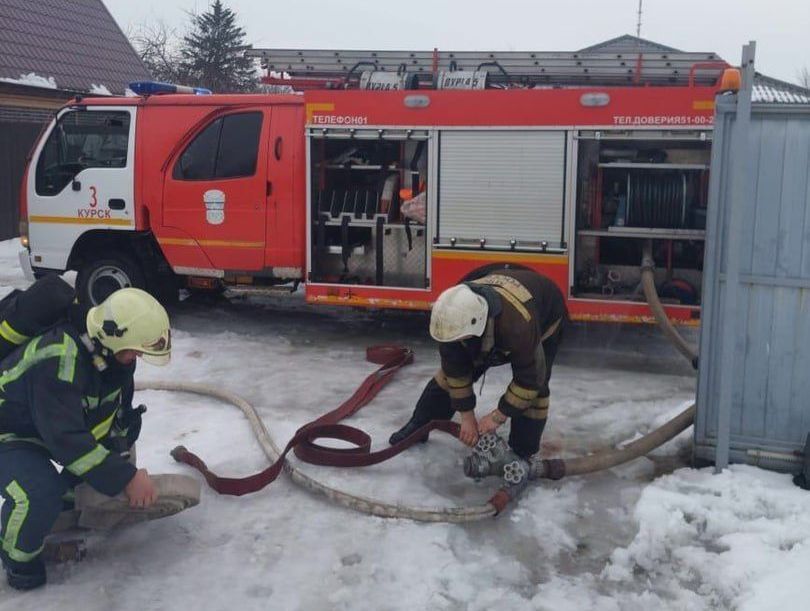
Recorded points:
(368, 206)
(634, 186)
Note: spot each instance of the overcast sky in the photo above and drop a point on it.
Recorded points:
(780, 27)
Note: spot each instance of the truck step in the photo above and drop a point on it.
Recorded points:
(261, 290)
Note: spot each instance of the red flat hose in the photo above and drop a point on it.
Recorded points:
(304, 443)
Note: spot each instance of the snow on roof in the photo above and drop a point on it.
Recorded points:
(99, 89)
(32, 79)
(767, 90)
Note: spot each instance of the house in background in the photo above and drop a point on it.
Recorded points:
(766, 88)
(51, 51)
(628, 44)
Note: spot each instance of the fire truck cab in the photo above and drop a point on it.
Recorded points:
(380, 198)
(137, 190)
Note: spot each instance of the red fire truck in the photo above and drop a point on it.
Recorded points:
(382, 187)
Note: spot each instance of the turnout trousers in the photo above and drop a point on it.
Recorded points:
(33, 492)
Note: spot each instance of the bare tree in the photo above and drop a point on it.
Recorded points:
(803, 76)
(159, 48)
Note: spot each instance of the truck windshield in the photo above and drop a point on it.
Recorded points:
(81, 140)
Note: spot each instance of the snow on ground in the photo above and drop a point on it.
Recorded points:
(638, 536)
(11, 276)
(740, 539)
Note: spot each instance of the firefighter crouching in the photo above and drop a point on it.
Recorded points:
(509, 316)
(66, 396)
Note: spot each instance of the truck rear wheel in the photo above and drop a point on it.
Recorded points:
(98, 279)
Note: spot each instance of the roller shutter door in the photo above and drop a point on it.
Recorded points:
(501, 185)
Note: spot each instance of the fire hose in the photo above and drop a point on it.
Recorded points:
(491, 455)
(494, 456)
(648, 284)
(518, 472)
(304, 444)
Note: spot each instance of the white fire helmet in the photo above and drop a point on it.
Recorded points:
(458, 313)
(131, 319)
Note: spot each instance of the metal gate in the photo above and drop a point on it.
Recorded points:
(754, 383)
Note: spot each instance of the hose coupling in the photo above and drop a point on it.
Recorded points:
(488, 457)
(516, 477)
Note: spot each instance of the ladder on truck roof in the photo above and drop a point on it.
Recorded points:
(325, 68)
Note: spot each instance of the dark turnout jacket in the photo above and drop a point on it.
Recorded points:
(525, 308)
(53, 395)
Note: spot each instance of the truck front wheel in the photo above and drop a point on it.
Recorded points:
(98, 279)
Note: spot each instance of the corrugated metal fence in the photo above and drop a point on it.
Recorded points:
(754, 384)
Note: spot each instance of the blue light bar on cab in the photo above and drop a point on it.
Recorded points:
(155, 88)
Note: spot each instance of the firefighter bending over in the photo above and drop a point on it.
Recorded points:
(508, 316)
(66, 396)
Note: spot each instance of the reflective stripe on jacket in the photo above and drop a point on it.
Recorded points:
(52, 395)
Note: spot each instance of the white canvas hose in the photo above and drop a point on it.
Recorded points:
(175, 493)
(359, 503)
(648, 284)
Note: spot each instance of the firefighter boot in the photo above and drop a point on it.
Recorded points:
(433, 404)
(24, 575)
(416, 422)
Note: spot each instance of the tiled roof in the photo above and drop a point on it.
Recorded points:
(77, 42)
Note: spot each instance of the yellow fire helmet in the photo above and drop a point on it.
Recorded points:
(458, 313)
(131, 319)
